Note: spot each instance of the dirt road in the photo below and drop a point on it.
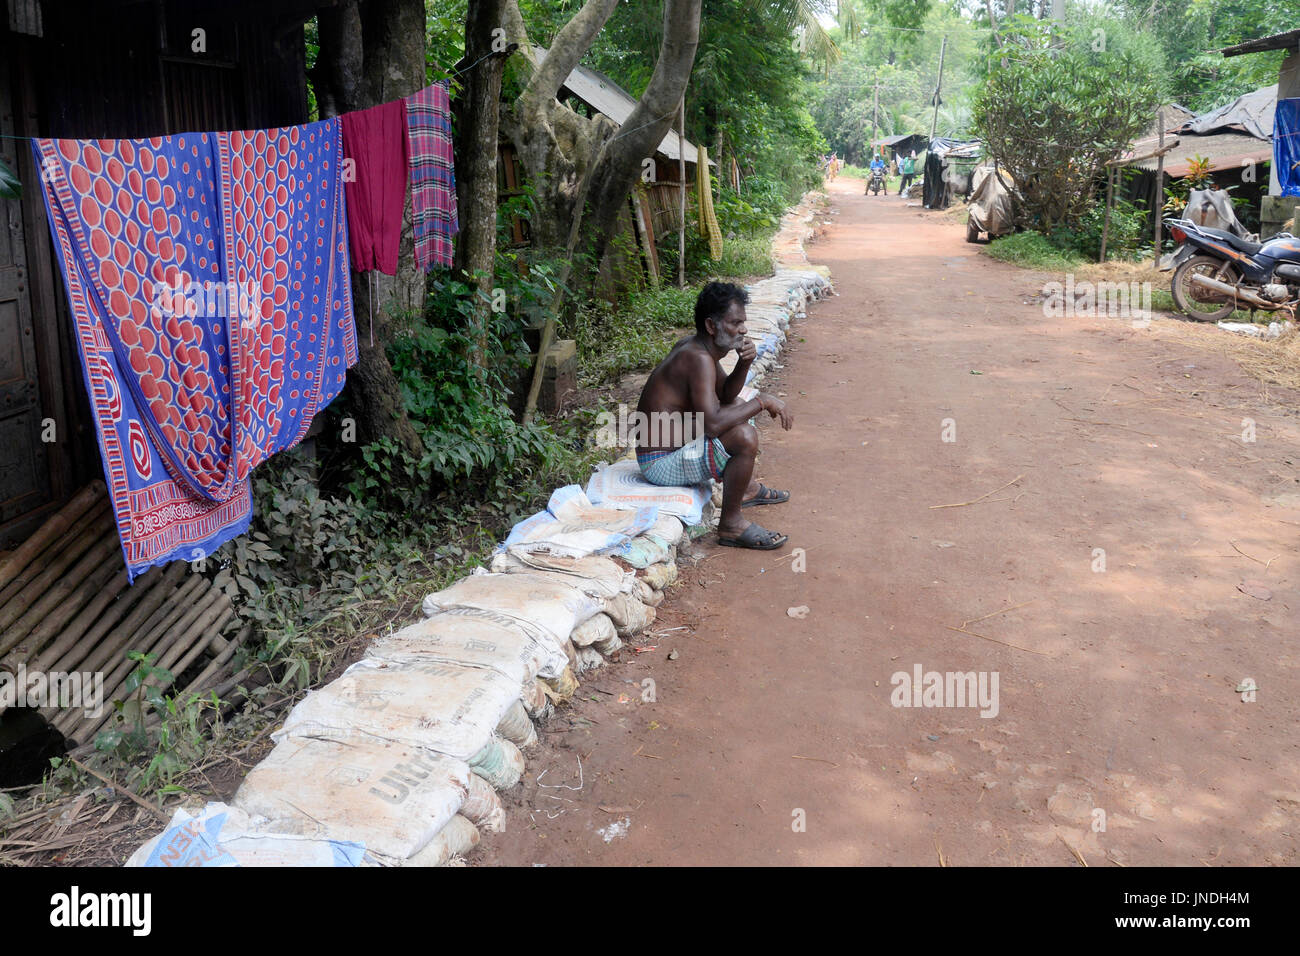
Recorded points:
(1100, 574)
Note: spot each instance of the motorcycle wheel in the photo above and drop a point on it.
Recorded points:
(1198, 303)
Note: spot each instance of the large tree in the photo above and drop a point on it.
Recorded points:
(577, 163)
(372, 51)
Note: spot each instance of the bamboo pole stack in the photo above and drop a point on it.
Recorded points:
(66, 607)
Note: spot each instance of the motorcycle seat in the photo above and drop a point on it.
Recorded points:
(1238, 243)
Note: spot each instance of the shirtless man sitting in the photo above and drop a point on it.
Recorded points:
(690, 387)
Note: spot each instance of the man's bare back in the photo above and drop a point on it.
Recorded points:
(690, 403)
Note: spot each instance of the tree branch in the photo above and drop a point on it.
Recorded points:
(568, 49)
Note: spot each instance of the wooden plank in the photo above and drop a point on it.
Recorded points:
(639, 211)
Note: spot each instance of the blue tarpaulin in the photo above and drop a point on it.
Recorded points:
(1286, 145)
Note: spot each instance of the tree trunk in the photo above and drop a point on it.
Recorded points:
(371, 53)
(649, 122)
(477, 125)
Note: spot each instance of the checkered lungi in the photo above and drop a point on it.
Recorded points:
(692, 464)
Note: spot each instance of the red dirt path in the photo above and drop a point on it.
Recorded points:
(1120, 695)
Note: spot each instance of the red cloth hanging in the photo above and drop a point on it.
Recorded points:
(376, 154)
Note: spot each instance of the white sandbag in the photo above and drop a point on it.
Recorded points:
(670, 528)
(392, 798)
(456, 839)
(589, 659)
(621, 485)
(517, 648)
(555, 606)
(483, 807)
(499, 763)
(648, 595)
(629, 615)
(598, 576)
(609, 646)
(597, 628)
(535, 701)
(445, 707)
(572, 525)
(517, 727)
(221, 836)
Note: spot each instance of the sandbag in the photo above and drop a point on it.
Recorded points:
(621, 485)
(444, 707)
(597, 628)
(598, 576)
(589, 659)
(629, 615)
(609, 645)
(659, 576)
(517, 727)
(476, 637)
(389, 797)
(572, 525)
(535, 701)
(670, 528)
(499, 762)
(647, 550)
(563, 687)
(222, 836)
(483, 807)
(555, 606)
(648, 595)
(456, 839)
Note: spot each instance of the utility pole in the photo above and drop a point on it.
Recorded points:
(875, 106)
(934, 124)
(1160, 184)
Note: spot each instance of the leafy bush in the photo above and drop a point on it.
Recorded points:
(636, 334)
(1054, 117)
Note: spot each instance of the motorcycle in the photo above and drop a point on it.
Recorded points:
(1217, 272)
(876, 182)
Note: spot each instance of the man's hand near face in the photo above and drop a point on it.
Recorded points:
(747, 351)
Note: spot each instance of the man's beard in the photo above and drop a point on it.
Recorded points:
(722, 341)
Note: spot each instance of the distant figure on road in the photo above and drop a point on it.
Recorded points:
(908, 169)
(690, 387)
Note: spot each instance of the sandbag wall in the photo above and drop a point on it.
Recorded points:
(66, 608)
(399, 761)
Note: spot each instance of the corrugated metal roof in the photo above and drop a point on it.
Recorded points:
(604, 95)
(1278, 41)
(1224, 150)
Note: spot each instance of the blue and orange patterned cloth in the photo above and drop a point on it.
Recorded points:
(208, 279)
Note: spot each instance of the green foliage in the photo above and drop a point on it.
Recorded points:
(887, 48)
(1191, 32)
(746, 89)
(10, 187)
(1054, 116)
(744, 258)
(1033, 250)
(637, 334)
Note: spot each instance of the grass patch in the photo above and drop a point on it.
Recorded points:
(743, 258)
(1033, 251)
